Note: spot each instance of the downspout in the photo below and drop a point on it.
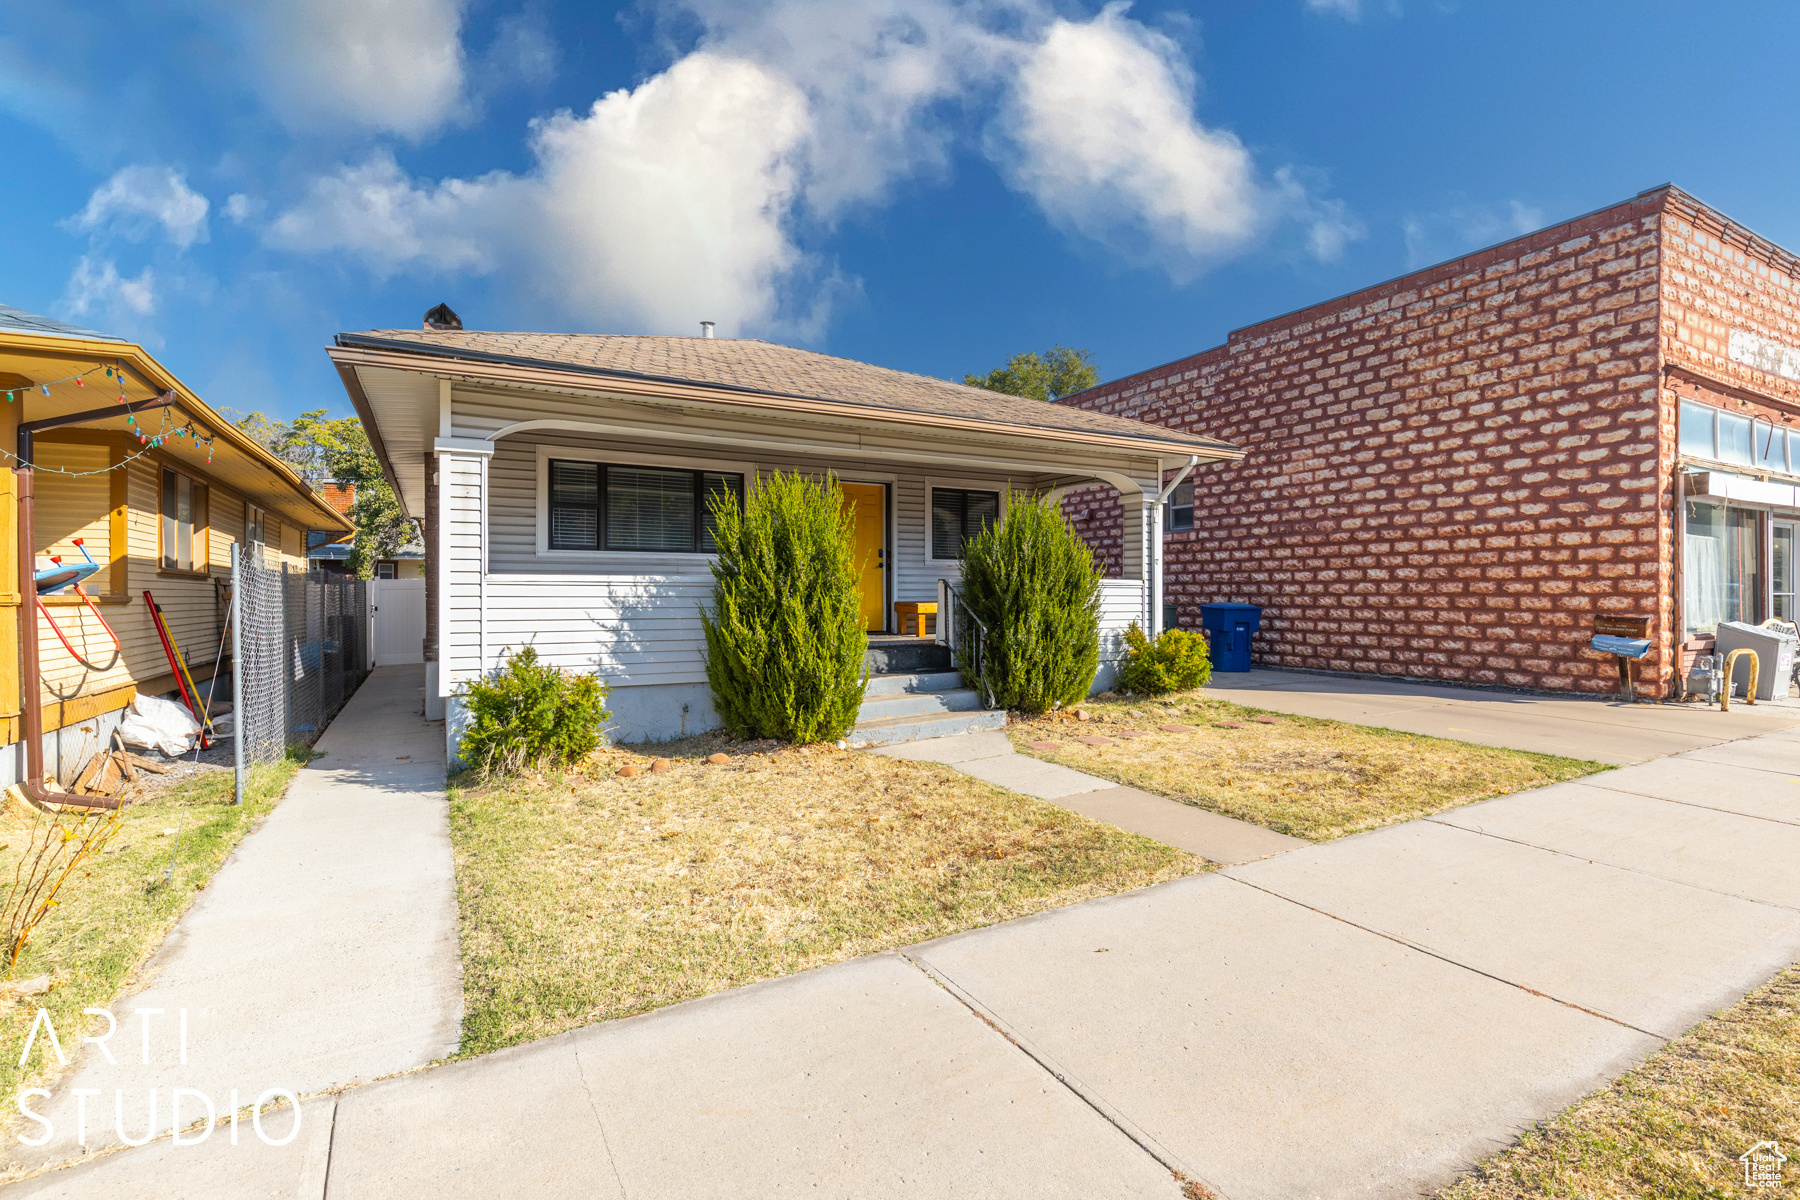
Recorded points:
(31, 711)
(1156, 540)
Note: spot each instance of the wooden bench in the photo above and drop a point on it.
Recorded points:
(918, 611)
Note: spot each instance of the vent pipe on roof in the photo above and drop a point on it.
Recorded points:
(706, 328)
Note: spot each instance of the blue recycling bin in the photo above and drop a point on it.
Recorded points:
(1229, 628)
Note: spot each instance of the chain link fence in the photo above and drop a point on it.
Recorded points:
(301, 647)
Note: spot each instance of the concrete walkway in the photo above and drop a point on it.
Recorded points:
(1363, 1018)
(1600, 730)
(990, 756)
(323, 953)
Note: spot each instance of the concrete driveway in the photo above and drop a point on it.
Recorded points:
(1601, 730)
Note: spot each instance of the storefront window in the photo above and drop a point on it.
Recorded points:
(1721, 566)
(1735, 440)
(1771, 447)
(1697, 436)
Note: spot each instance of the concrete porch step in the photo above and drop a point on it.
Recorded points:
(886, 731)
(907, 704)
(919, 681)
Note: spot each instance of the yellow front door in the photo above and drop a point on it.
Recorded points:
(867, 504)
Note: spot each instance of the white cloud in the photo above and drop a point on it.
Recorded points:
(1102, 134)
(386, 65)
(660, 206)
(376, 212)
(1350, 10)
(1454, 231)
(97, 287)
(138, 199)
(696, 194)
(240, 208)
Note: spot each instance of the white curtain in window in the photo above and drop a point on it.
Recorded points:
(1704, 582)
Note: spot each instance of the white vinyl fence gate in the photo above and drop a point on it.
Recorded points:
(397, 617)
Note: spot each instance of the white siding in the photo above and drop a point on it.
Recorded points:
(463, 567)
(1122, 601)
(635, 618)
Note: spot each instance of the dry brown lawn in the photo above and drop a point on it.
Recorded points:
(1673, 1128)
(592, 896)
(1297, 775)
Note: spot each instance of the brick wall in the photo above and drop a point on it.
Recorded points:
(1447, 474)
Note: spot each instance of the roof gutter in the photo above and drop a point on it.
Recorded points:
(354, 351)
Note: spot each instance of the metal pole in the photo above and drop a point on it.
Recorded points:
(236, 617)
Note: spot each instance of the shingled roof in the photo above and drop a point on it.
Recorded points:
(752, 365)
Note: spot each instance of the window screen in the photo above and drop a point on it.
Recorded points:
(958, 515)
(594, 506)
(1179, 510)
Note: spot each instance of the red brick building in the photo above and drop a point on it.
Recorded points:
(1449, 474)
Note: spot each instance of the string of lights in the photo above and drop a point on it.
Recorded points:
(147, 439)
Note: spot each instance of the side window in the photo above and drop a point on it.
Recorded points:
(184, 522)
(386, 570)
(255, 523)
(958, 514)
(1178, 510)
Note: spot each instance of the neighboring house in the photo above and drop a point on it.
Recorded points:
(329, 551)
(1451, 473)
(562, 483)
(158, 518)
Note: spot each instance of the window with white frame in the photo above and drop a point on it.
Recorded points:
(600, 506)
(958, 514)
(387, 570)
(1178, 509)
(255, 525)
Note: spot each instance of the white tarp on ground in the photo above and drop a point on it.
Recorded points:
(161, 724)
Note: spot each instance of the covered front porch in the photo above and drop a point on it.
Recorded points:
(565, 503)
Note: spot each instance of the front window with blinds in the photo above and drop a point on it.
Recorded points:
(183, 522)
(958, 514)
(597, 506)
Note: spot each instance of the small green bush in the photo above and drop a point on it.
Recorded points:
(785, 641)
(1032, 583)
(531, 714)
(1177, 661)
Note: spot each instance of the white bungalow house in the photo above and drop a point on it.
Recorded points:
(561, 482)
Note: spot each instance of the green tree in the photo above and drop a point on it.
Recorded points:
(1056, 373)
(322, 448)
(784, 635)
(1032, 583)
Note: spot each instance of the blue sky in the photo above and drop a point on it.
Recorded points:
(925, 184)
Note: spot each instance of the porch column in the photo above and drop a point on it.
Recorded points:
(462, 569)
(434, 564)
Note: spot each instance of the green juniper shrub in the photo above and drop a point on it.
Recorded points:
(1177, 661)
(785, 641)
(531, 714)
(1032, 583)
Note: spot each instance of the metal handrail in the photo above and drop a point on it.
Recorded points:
(951, 599)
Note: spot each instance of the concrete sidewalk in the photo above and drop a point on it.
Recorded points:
(1598, 729)
(323, 953)
(1363, 1018)
(990, 756)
